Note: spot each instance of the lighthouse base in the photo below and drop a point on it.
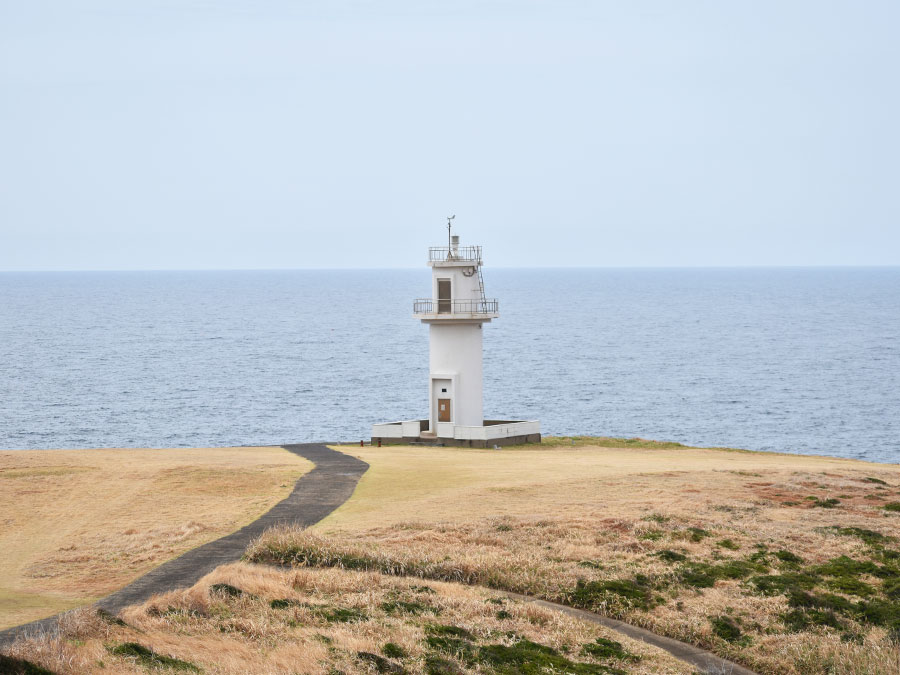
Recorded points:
(491, 433)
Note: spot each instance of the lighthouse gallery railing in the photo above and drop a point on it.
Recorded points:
(448, 253)
(431, 306)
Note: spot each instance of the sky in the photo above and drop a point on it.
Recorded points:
(257, 134)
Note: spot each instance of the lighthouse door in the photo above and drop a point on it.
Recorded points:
(444, 304)
(443, 410)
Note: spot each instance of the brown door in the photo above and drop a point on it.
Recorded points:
(443, 410)
(444, 296)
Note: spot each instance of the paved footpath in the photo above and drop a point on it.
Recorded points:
(315, 495)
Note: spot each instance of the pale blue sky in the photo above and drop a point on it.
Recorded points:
(263, 134)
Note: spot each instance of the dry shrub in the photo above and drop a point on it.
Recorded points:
(634, 568)
(321, 620)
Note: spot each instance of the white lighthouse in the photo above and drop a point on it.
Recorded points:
(455, 314)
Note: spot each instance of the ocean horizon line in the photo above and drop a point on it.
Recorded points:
(495, 267)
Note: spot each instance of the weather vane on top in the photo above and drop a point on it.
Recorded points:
(449, 225)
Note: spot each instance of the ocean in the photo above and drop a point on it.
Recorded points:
(792, 360)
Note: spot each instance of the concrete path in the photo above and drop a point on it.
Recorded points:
(315, 495)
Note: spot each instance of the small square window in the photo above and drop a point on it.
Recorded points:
(443, 391)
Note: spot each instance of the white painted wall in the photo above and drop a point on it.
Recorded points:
(461, 286)
(455, 350)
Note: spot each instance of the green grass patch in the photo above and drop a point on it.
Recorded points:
(670, 556)
(21, 667)
(880, 612)
(530, 658)
(798, 620)
(727, 544)
(809, 610)
(726, 628)
(150, 659)
(789, 559)
(602, 649)
(851, 586)
(438, 665)
(869, 537)
(592, 564)
(229, 591)
(829, 503)
(705, 575)
(843, 566)
(612, 442)
(780, 584)
(445, 630)
(341, 614)
(697, 533)
(381, 664)
(110, 618)
(393, 651)
(633, 593)
(870, 479)
(405, 607)
(892, 506)
(451, 640)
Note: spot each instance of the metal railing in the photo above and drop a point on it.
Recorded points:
(451, 307)
(450, 254)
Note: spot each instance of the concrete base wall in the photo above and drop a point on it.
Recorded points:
(457, 443)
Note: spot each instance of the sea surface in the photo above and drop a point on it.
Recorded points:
(794, 360)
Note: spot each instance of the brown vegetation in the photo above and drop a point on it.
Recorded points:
(77, 524)
(251, 619)
(785, 563)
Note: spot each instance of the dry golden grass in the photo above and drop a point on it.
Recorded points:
(668, 537)
(327, 619)
(447, 484)
(78, 524)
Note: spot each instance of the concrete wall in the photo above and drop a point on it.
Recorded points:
(461, 286)
(455, 353)
(500, 430)
(461, 443)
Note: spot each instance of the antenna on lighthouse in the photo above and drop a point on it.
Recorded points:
(449, 240)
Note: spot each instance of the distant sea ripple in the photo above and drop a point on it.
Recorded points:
(794, 360)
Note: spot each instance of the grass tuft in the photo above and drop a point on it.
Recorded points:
(393, 651)
(530, 658)
(601, 649)
(726, 628)
(381, 664)
(12, 666)
(596, 594)
(227, 590)
(148, 658)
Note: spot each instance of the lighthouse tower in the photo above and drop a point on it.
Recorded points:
(455, 314)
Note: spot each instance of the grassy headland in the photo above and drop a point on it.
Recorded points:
(786, 563)
(78, 524)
